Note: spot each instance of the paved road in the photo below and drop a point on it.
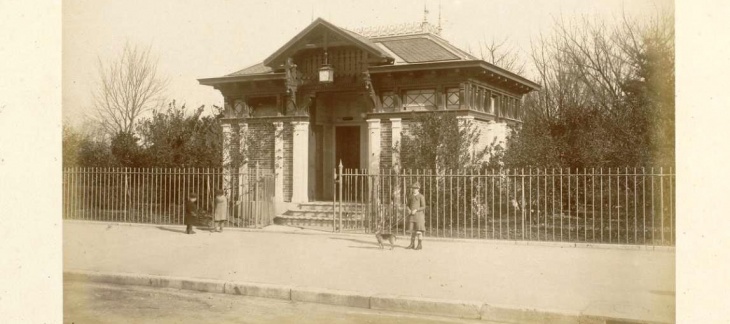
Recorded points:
(620, 283)
(104, 303)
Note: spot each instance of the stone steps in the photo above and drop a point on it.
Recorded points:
(315, 223)
(327, 206)
(319, 215)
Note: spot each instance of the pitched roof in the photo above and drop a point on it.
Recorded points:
(253, 69)
(415, 45)
(405, 49)
(416, 50)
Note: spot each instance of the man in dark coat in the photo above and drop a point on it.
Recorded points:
(191, 211)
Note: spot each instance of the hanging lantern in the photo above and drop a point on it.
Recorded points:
(326, 74)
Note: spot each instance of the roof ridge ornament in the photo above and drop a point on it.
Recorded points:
(397, 29)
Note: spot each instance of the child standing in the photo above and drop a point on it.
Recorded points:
(417, 219)
(191, 211)
(220, 213)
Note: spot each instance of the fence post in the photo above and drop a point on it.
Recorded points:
(256, 195)
(671, 205)
(339, 214)
(126, 187)
(334, 200)
(522, 200)
(661, 199)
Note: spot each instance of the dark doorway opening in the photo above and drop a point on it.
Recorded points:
(347, 146)
(347, 150)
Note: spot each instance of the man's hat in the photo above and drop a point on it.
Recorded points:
(416, 186)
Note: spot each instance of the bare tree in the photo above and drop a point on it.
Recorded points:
(503, 54)
(607, 91)
(127, 87)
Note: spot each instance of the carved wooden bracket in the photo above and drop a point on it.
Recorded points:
(376, 105)
(299, 106)
(303, 109)
(292, 77)
(293, 80)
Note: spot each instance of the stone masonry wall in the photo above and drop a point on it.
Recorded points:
(288, 160)
(386, 151)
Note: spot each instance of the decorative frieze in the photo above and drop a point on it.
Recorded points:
(397, 30)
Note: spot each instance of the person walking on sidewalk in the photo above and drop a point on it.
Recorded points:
(191, 212)
(416, 217)
(220, 210)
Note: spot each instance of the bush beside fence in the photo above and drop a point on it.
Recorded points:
(615, 206)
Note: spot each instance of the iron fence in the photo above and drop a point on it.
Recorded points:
(157, 195)
(615, 206)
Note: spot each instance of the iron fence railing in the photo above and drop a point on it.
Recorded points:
(614, 206)
(157, 195)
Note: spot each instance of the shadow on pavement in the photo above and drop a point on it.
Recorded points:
(369, 247)
(170, 229)
(356, 241)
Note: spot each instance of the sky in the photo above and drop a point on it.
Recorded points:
(196, 39)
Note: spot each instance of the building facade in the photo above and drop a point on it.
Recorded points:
(331, 95)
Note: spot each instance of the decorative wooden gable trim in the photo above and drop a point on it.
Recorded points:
(279, 57)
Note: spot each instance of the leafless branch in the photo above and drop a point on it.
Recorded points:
(503, 54)
(127, 87)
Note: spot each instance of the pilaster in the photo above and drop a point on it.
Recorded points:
(278, 161)
(300, 160)
(374, 146)
(226, 129)
(396, 128)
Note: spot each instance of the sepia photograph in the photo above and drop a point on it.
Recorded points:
(414, 161)
(410, 161)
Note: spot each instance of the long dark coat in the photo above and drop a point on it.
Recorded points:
(191, 211)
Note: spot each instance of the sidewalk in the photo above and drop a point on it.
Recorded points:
(636, 284)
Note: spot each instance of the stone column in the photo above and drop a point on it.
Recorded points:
(242, 134)
(464, 123)
(242, 193)
(278, 161)
(373, 146)
(300, 159)
(395, 144)
(226, 128)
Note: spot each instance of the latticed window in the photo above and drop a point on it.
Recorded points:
(421, 99)
(452, 98)
(388, 101)
(239, 107)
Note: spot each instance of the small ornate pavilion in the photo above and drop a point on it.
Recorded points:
(333, 94)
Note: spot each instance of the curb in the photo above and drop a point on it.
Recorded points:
(425, 306)
(461, 309)
(303, 231)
